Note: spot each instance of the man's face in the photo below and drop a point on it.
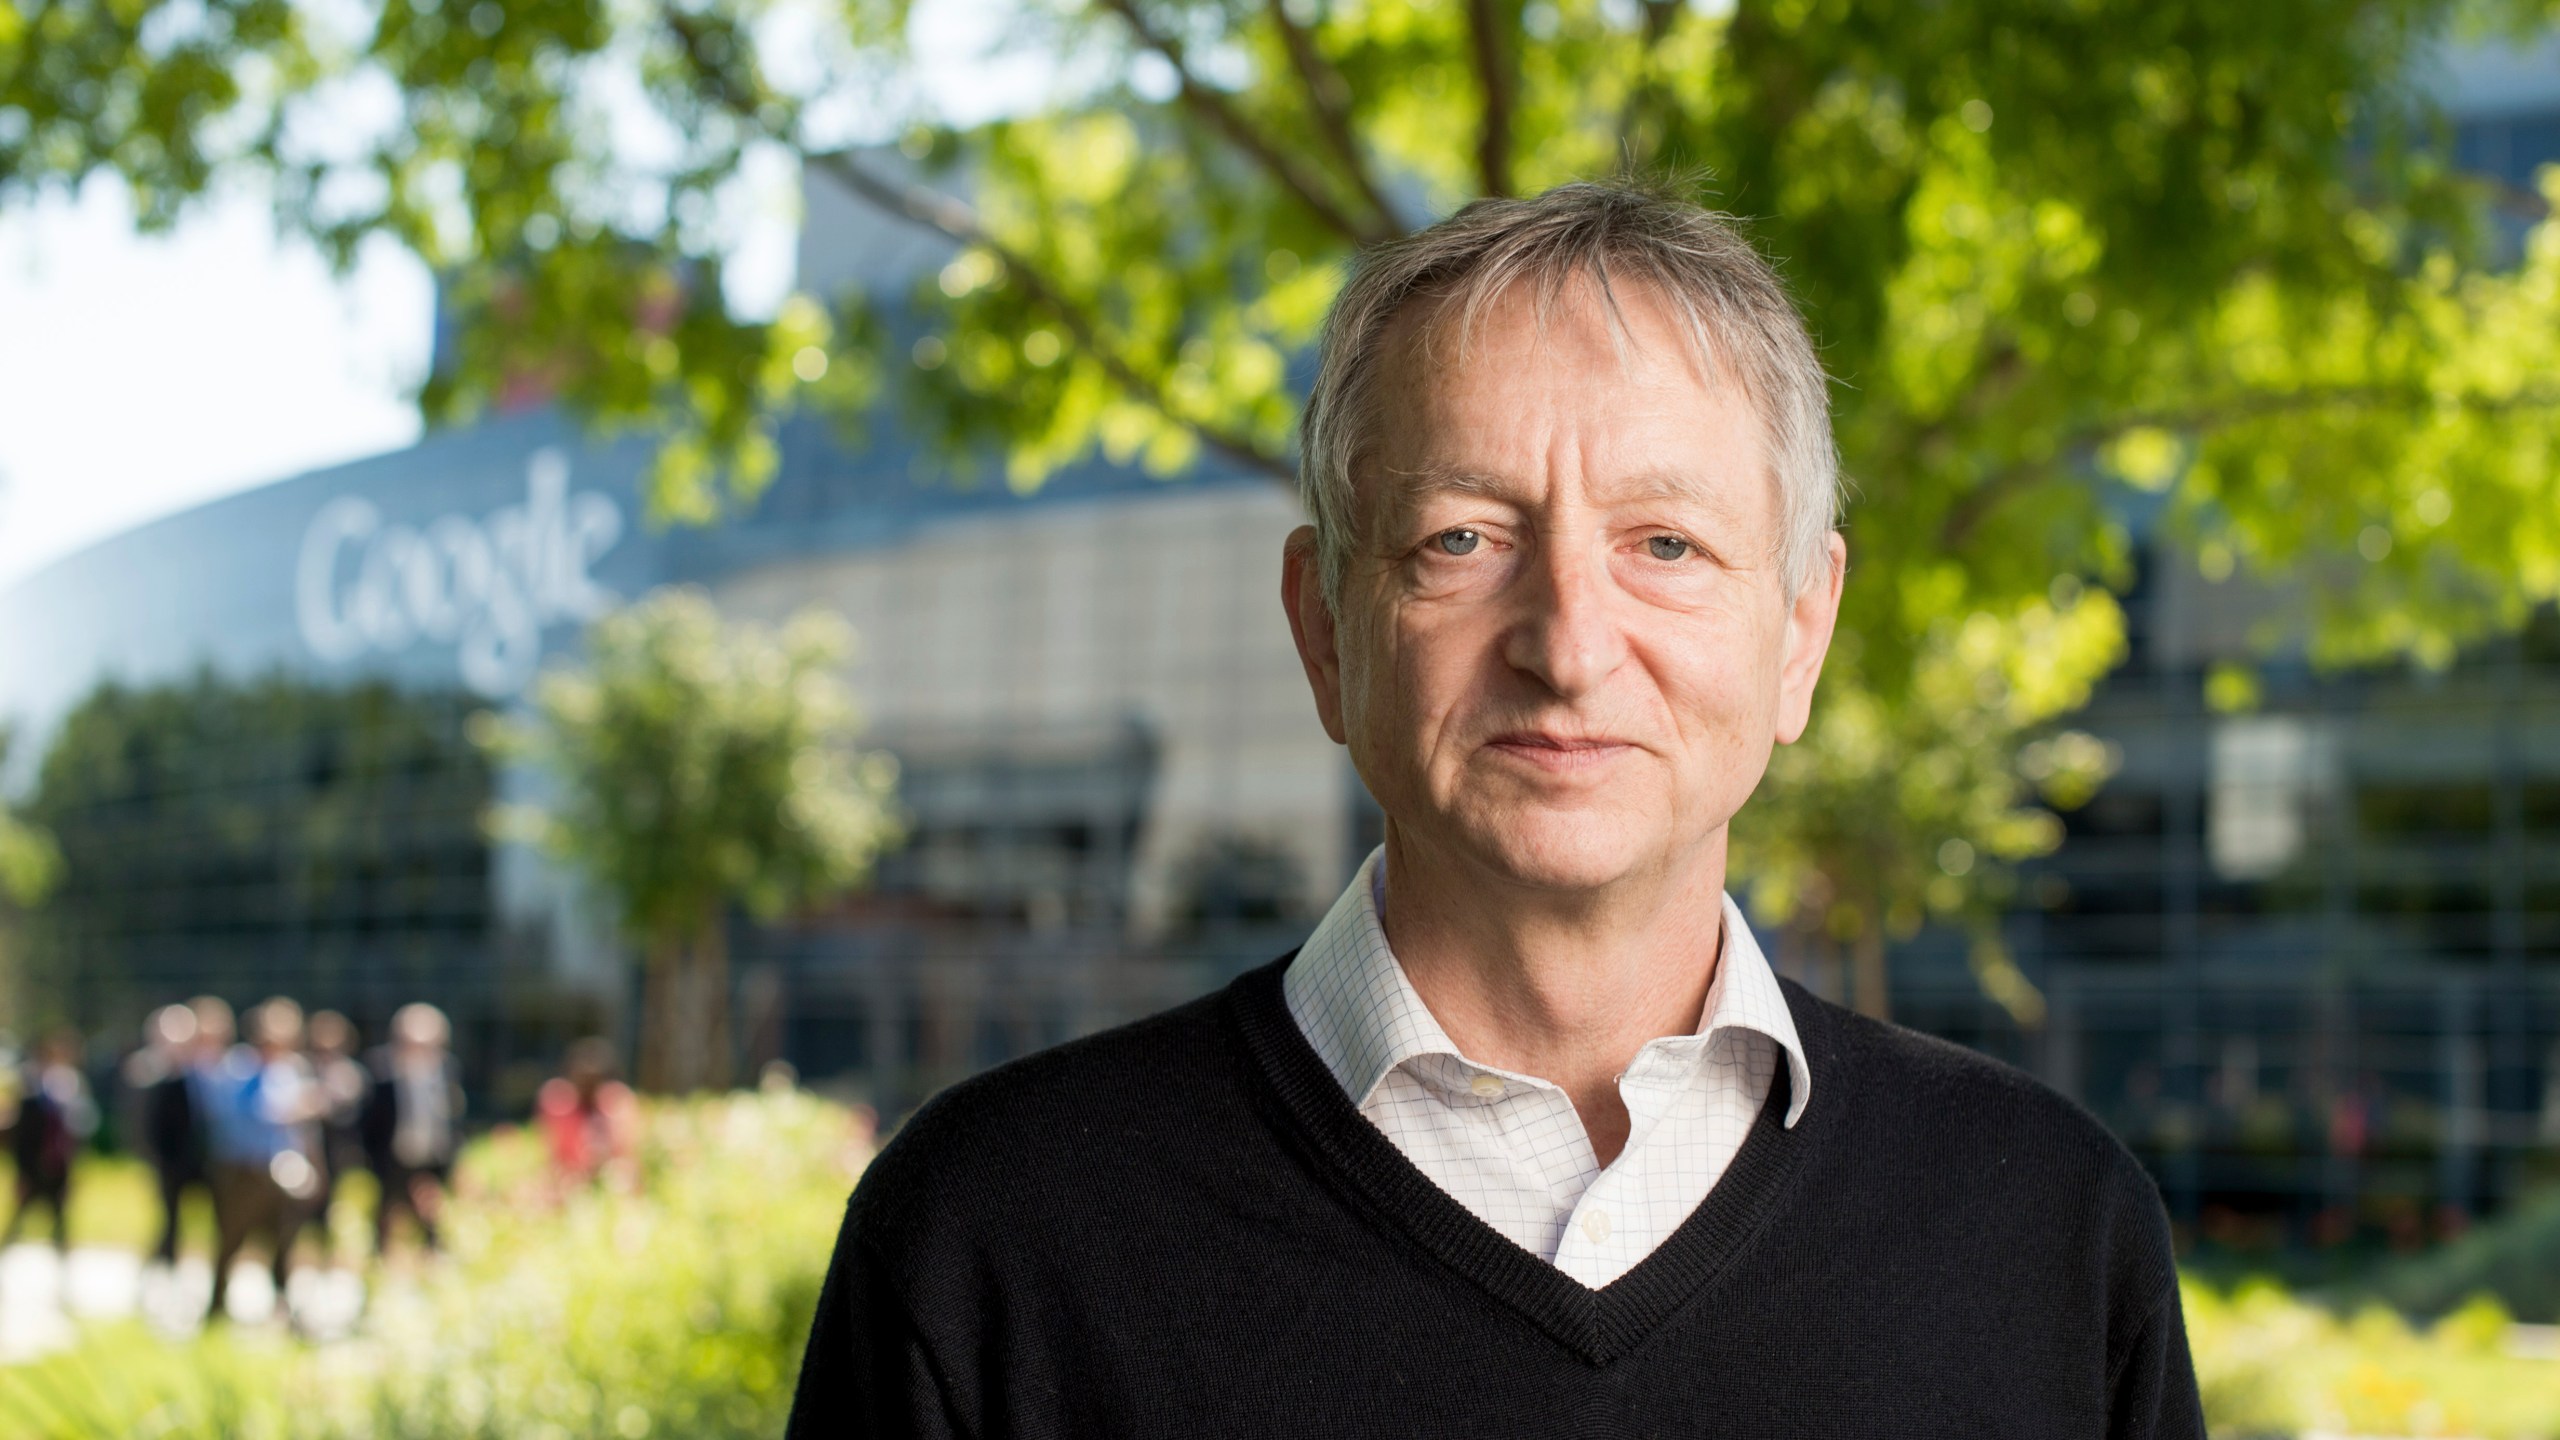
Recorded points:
(1563, 648)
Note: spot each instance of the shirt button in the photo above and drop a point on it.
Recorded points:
(1487, 1086)
(1595, 1223)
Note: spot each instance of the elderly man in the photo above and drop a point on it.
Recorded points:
(1527, 1139)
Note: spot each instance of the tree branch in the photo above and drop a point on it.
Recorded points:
(1647, 91)
(1214, 106)
(938, 212)
(1328, 95)
(2266, 405)
(1978, 503)
(1493, 74)
(932, 210)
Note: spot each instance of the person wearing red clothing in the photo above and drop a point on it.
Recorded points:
(590, 1118)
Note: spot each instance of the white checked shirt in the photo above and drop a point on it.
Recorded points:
(1510, 1147)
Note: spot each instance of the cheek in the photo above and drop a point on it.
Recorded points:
(1722, 689)
(1376, 683)
(1441, 663)
(1407, 680)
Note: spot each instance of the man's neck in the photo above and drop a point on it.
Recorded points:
(1565, 987)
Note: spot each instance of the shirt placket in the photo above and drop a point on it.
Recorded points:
(1611, 1224)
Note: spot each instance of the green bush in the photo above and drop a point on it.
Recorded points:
(675, 1306)
(2515, 1257)
(2271, 1364)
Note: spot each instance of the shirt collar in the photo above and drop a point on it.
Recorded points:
(1363, 1018)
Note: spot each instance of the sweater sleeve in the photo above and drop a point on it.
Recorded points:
(2155, 1391)
(2151, 1384)
(866, 1372)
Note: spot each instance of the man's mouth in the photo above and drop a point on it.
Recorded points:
(1551, 751)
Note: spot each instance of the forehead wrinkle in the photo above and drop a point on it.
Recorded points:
(1460, 312)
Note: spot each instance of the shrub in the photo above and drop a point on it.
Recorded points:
(675, 1307)
(2270, 1364)
(2515, 1257)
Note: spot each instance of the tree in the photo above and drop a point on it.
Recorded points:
(30, 866)
(2057, 256)
(698, 765)
(250, 836)
(30, 861)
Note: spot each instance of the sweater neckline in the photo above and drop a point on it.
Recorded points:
(1599, 1326)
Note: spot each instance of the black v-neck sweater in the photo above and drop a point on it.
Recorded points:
(1184, 1228)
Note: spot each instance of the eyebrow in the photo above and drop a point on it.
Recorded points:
(1670, 485)
(1642, 486)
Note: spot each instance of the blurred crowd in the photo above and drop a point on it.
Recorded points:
(266, 1113)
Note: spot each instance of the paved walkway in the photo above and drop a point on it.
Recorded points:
(44, 1296)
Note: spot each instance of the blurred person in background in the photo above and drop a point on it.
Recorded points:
(54, 1115)
(211, 1086)
(413, 1121)
(159, 1078)
(264, 1135)
(343, 1090)
(591, 1119)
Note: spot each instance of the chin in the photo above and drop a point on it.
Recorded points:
(1568, 850)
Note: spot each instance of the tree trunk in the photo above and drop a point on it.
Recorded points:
(684, 1030)
(684, 1054)
(659, 987)
(1870, 972)
(1867, 961)
(710, 1009)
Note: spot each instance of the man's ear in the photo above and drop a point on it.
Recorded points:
(1809, 622)
(1311, 625)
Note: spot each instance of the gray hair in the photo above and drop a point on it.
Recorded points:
(1723, 295)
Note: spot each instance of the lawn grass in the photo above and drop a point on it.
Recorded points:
(115, 1201)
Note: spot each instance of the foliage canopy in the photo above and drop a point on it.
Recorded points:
(2059, 256)
(30, 860)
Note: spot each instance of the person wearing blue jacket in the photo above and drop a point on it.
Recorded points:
(262, 1111)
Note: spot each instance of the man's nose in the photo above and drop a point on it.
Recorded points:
(1566, 632)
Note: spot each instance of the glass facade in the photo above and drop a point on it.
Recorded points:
(269, 836)
(247, 725)
(2305, 959)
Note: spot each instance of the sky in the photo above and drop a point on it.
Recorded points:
(142, 375)
(139, 376)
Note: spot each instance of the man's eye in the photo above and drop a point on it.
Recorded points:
(1668, 547)
(1457, 542)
